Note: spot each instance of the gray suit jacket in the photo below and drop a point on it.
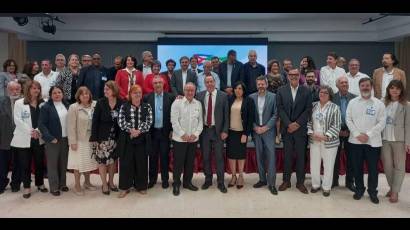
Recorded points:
(336, 100)
(176, 81)
(6, 123)
(269, 114)
(221, 112)
(402, 123)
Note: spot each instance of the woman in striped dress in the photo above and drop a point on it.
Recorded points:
(323, 131)
(79, 131)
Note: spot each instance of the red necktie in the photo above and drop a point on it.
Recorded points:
(209, 115)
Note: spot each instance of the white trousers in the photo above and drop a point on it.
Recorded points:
(318, 152)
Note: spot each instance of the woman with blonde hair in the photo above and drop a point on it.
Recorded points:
(79, 131)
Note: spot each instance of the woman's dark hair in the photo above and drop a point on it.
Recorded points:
(28, 69)
(239, 83)
(27, 96)
(8, 63)
(50, 92)
(398, 84)
(332, 54)
(270, 64)
(311, 63)
(329, 91)
(124, 64)
(170, 61)
(393, 57)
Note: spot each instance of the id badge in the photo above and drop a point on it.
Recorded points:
(370, 111)
(389, 120)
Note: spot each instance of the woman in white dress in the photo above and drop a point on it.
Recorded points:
(79, 131)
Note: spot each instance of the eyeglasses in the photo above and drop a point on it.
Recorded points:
(321, 92)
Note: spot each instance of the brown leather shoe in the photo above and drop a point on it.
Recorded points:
(302, 188)
(284, 186)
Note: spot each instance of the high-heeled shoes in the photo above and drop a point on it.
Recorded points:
(239, 184)
(42, 189)
(233, 181)
(105, 192)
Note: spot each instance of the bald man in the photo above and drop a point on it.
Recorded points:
(94, 77)
(252, 70)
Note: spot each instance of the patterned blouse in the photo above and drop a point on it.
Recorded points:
(65, 80)
(132, 117)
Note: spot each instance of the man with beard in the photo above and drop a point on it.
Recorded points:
(365, 119)
(6, 134)
(384, 75)
(311, 84)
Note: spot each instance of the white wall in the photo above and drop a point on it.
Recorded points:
(4, 47)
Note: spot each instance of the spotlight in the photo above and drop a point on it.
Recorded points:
(21, 21)
(49, 27)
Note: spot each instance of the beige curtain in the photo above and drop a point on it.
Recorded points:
(402, 49)
(17, 50)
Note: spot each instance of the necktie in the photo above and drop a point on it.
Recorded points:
(131, 76)
(209, 115)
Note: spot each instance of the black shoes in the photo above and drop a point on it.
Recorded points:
(165, 184)
(105, 192)
(374, 199)
(259, 184)
(273, 190)
(357, 196)
(190, 187)
(314, 190)
(326, 193)
(222, 188)
(151, 184)
(15, 189)
(27, 195)
(114, 189)
(206, 185)
(56, 193)
(64, 189)
(175, 190)
(42, 189)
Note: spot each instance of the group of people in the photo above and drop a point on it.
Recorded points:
(85, 117)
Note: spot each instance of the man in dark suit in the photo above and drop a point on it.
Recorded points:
(160, 102)
(94, 77)
(147, 60)
(252, 70)
(181, 77)
(264, 133)
(294, 106)
(216, 125)
(194, 65)
(118, 64)
(311, 84)
(342, 99)
(6, 135)
(230, 71)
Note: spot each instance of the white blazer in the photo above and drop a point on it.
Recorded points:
(22, 119)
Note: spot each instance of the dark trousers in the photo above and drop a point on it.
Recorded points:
(361, 153)
(344, 144)
(5, 157)
(57, 158)
(133, 166)
(294, 144)
(160, 147)
(184, 157)
(209, 138)
(25, 157)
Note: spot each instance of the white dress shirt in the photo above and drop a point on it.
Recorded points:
(201, 81)
(184, 77)
(261, 105)
(62, 114)
(388, 132)
(229, 75)
(387, 78)
(146, 69)
(186, 118)
(328, 76)
(354, 82)
(46, 81)
(294, 91)
(213, 106)
(366, 116)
